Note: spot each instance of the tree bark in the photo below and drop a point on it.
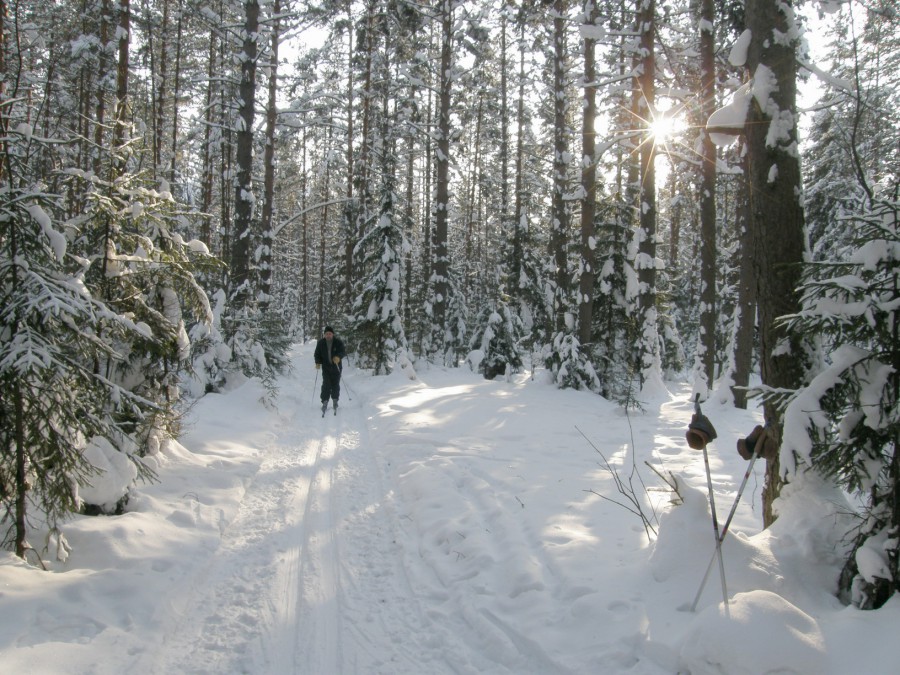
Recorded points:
(746, 317)
(243, 193)
(442, 189)
(647, 104)
(706, 349)
(122, 70)
(176, 91)
(268, 207)
(645, 263)
(520, 217)
(206, 183)
(349, 209)
(160, 90)
(588, 184)
(559, 225)
(102, 70)
(776, 214)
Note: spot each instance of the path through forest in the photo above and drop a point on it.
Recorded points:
(444, 524)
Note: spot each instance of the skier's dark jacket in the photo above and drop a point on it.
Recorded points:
(337, 349)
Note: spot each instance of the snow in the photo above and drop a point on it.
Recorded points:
(56, 239)
(724, 124)
(590, 31)
(738, 55)
(447, 524)
(116, 473)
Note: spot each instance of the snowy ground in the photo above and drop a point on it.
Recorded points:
(445, 524)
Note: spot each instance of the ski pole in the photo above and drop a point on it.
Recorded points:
(712, 508)
(349, 390)
(315, 382)
(700, 433)
(734, 506)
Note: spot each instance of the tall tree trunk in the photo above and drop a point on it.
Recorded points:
(176, 91)
(243, 194)
(503, 154)
(349, 210)
(588, 182)
(442, 166)
(226, 158)
(102, 70)
(471, 265)
(746, 302)
(559, 226)
(706, 349)
(646, 258)
(520, 217)
(304, 240)
(160, 89)
(776, 214)
(122, 71)
(268, 208)
(409, 219)
(207, 180)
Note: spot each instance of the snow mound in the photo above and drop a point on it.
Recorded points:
(116, 474)
(764, 634)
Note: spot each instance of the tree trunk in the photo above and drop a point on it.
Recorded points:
(706, 349)
(160, 91)
(268, 207)
(588, 184)
(349, 209)
(559, 225)
(243, 194)
(408, 220)
(176, 89)
(746, 316)
(102, 70)
(206, 183)
(645, 263)
(503, 153)
(122, 70)
(304, 242)
(442, 168)
(776, 214)
(520, 222)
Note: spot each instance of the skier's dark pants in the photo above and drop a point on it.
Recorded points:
(331, 383)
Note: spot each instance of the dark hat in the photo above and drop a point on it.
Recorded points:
(328, 329)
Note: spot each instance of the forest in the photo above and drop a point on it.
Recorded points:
(616, 192)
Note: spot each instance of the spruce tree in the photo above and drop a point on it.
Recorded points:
(846, 422)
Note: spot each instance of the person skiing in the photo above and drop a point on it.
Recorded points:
(329, 352)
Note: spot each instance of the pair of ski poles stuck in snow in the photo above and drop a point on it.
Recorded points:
(700, 433)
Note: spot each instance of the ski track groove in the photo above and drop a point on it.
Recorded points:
(309, 576)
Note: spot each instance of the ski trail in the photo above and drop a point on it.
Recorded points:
(240, 611)
(319, 592)
(357, 612)
(308, 576)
